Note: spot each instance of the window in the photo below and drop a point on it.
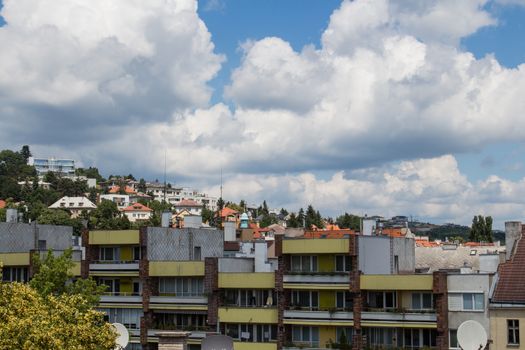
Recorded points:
(306, 335)
(42, 244)
(137, 287)
(344, 300)
(196, 253)
(453, 339)
(109, 253)
(260, 333)
(128, 317)
(513, 327)
(343, 335)
(304, 263)
(113, 285)
(14, 274)
(247, 297)
(305, 299)
(343, 263)
(473, 301)
(422, 301)
(181, 286)
(136, 253)
(382, 300)
(171, 321)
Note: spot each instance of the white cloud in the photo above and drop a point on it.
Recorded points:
(432, 189)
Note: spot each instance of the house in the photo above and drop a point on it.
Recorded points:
(121, 200)
(189, 205)
(116, 189)
(75, 205)
(507, 302)
(2, 204)
(137, 212)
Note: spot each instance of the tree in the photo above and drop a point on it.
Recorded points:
(25, 152)
(481, 229)
(207, 214)
(293, 222)
(52, 311)
(301, 218)
(350, 221)
(30, 321)
(141, 187)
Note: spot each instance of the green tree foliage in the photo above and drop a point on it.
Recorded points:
(207, 215)
(141, 187)
(293, 221)
(235, 207)
(108, 217)
(481, 229)
(312, 218)
(25, 152)
(267, 220)
(349, 221)
(301, 218)
(59, 217)
(90, 172)
(52, 311)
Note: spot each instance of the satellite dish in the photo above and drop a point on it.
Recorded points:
(472, 336)
(122, 336)
(217, 342)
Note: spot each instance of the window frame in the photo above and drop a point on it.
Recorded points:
(515, 329)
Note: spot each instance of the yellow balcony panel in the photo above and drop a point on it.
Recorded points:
(396, 282)
(315, 246)
(114, 237)
(247, 315)
(14, 259)
(75, 270)
(114, 273)
(254, 346)
(313, 286)
(176, 268)
(254, 280)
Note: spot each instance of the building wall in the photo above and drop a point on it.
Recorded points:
(19, 237)
(498, 326)
(512, 233)
(236, 265)
(165, 244)
(404, 249)
(468, 283)
(374, 255)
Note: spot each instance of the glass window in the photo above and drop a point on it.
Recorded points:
(416, 301)
(513, 327)
(453, 338)
(479, 303)
(427, 300)
(467, 301)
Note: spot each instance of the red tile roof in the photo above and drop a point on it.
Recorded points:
(137, 207)
(393, 232)
(225, 212)
(116, 189)
(510, 287)
(2, 203)
(328, 233)
(188, 203)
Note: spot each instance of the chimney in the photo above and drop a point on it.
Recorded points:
(513, 231)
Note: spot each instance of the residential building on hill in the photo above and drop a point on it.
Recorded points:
(64, 167)
(137, 212)
(74, 204)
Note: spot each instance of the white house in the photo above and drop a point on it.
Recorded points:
(193, 207)
(74, 204)
(136, 212)
(121, 200)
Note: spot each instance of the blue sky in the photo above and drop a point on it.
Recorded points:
(302, 22)
(295, 124)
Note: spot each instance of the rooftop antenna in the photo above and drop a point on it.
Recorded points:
(221, 183)
(164, 175)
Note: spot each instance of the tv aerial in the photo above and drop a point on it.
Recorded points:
(472, 336)
(122, 336)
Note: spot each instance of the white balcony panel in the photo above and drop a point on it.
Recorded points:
(323, 279)
(114, 267)
(128, 299)
(178, 300)
(318, 315)
(396, 316)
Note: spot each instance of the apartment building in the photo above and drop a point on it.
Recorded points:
(175, 195)
(346, 291)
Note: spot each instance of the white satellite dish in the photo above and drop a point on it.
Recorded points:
(122, 336)
(217, 342)
(472, 336)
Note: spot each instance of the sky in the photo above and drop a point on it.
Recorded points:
(397, 107)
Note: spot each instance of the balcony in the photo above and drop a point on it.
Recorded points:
(237, 345)
(317, 280)
(248, 315)
(399, 318)
(264, 280)
(333, 317)
(114, 268)
(121, 298)
(179, 302)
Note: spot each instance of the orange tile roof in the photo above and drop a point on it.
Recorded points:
(425, 243)
(511, 278)
(478, 244)
(116, 189)
(2, 203)
(392, 232)
(137, 207)
(228, 212)
(332, 227)
(328, 233)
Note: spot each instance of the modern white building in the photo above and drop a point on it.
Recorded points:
(175, 195)
(74, 204)
(65, 167)
(121, 200)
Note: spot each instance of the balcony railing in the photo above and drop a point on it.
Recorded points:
(121, 297)
(324, 278)
(132, 265)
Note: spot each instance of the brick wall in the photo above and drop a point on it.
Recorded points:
(440, 294)
(211, 288)
(355, 288)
